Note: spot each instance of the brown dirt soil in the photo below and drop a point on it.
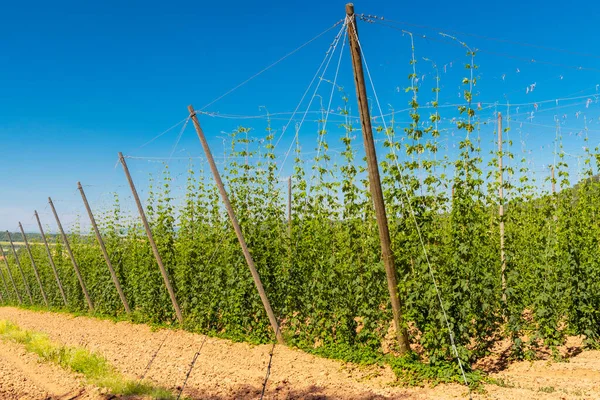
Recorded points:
(226, 370)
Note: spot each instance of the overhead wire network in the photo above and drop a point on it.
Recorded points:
(298, 117)
(318, 77)
(321, 70)
(380, 20)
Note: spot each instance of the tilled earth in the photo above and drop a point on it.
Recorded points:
(226, 370)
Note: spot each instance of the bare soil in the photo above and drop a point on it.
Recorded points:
(227, 370)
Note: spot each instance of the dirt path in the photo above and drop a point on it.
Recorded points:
(22, 376)
(226, 370)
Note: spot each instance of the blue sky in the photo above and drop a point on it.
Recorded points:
(80, 81)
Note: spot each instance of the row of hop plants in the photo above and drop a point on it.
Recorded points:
(322, 269)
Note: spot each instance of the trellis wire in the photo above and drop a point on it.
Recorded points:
(270, 66)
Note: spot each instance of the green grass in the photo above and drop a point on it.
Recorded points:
(95, 368)
(501, 382)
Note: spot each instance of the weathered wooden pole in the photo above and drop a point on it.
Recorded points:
(289, 208)
(72, 257)
(58, 282)
(4, 282)
(27, 289)
(35, 270)
(10, 275)
(555, 216)
(2, 295)
(374, 180)
(236, 226)
(553, 181)
(501, 207)
(104, 252)
(157, 256)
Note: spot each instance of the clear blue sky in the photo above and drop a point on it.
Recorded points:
(80, 81)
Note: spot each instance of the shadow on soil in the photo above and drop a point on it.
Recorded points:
(282, 392)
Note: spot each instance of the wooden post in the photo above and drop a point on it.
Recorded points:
(35, 270)
(27, 289)
(4, 282)
(553, 180)
(10, 275)
(289, 206)
(374, 180)
(5, 288)
(60, 287)
(236, 227)
(555, 216)
(159, 261)
(104, 252)
(501, 207)
(71, 256)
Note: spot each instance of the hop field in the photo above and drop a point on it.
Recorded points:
(469, 276)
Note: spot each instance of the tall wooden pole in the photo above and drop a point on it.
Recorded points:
(10, 275)
(5, 284)
(104, 252)
(58, 282)
(289, 210)
(7, 294)
(236, 226)
(374, 180)
(555, 216)
(553, 180)
(27, 289)
(157, 256)
(72, 257)
(35, 270)
(501, 207)
(5, 287)
(2, 296)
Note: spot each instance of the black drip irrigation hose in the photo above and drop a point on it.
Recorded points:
(154, 356)
(264, 388)
(262, 394)
(191, 367)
